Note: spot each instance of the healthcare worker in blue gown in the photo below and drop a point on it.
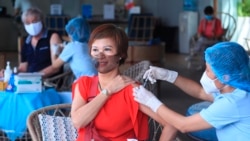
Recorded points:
(225, 82)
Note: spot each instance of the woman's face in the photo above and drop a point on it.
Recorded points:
(105, 52)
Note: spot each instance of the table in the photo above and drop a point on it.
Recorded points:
(15, 109)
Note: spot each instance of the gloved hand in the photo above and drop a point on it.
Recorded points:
(145, 97)
(156, 73)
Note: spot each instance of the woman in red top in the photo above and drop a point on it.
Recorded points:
(106, 100)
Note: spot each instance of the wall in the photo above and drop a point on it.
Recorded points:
(70, 7)
(167, 10)
(8, 36)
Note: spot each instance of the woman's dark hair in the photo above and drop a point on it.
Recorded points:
(209, 10)
(116, 34)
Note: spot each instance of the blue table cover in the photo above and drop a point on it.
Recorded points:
(15, 109)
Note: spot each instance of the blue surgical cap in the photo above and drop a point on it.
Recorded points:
(230, 64)
(78, 29)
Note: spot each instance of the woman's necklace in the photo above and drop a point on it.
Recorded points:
(100, 87)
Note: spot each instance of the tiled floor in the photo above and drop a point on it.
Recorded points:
(173, 97)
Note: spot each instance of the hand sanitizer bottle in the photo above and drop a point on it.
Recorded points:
(11, 84)
(7, 72)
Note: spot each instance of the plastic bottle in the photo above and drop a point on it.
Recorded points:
(11, 87)
(7, 72)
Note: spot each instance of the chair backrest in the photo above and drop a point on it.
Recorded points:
(141, 27)
(229, 25)
(52, 123)
(136, 72)
(61, 82)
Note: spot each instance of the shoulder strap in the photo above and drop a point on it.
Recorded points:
(92, 90)
(214, 24)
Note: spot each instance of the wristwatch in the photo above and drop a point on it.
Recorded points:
(105, 91)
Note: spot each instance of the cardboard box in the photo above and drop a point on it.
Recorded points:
(2, 85)
(139, 52)
(28, 83)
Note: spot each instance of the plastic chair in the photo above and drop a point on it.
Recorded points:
(40, 121)
(196, 59)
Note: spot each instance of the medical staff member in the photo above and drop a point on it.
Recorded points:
(76, 52)
(225, 82)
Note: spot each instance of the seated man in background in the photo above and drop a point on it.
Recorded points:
(210, 30)
(76, 52)
(36, 52)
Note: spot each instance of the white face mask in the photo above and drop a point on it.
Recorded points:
(34, 28)
(208, 84)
